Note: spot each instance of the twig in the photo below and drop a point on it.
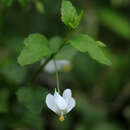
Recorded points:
(49, 58)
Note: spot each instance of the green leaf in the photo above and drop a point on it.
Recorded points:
(69, 15)
(32, 97)
(36, 47)
(55, 42)
(67, 52)
(100, 44)
(85, 43)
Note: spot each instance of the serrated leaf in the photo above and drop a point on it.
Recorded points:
(85, 43)
(36, 47)
(69, 15)
(32, 97)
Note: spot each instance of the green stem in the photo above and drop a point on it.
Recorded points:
(57, 78)
(42, 67)
(50, 58)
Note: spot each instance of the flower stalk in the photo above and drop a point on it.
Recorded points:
(57, 78)
(51, 56)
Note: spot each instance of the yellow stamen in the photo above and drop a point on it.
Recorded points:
(67, 68)
(61, 118)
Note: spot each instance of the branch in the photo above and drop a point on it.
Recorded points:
(48, 59)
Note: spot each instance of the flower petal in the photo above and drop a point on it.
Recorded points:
(67, 95)
(71, 104)
(51, 103)
(62, 63)
(50, 67)
(60, 101)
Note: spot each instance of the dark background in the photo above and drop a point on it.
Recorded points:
(102, 93)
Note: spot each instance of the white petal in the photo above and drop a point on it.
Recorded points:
(71, 104)
(67, 95)
(51, 103)
(62, 62)
(60, 101)
(50, 67)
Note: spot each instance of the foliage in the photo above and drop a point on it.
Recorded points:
(32, 30)
(69, 15)
(85, 43)
(36, 46)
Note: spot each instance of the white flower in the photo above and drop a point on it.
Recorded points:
(60, 64)
(61, 105)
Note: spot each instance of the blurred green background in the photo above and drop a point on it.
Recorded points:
(102, 93)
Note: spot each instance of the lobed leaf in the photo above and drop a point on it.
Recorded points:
(85, 43)
(36, 47)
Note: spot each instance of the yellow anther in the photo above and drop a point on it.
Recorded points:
(67, 68)
(61, 118)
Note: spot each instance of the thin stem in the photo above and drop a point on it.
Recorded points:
(57, 77)
(50, 58)
(41, 67)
